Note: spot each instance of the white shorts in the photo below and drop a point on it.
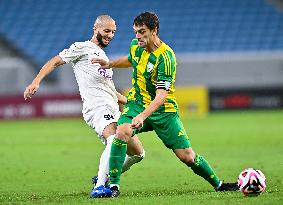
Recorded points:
(98, 118)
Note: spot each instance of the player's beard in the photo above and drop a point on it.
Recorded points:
(100, 41)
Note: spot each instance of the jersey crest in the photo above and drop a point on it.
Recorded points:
(149, 67)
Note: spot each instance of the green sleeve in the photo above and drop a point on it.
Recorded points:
(166, 67)
(133, 42)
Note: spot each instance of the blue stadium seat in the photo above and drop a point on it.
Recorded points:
(42, 29)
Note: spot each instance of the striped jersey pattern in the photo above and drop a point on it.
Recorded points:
(151, 71)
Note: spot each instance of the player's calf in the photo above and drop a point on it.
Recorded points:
(131, 160)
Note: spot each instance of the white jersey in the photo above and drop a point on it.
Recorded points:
(96, 86)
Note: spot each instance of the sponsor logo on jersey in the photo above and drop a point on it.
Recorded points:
(105, 73)
(108, 117)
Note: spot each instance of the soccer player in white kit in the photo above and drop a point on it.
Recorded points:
(99, 96)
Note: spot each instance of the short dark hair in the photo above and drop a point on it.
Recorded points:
(149, 19)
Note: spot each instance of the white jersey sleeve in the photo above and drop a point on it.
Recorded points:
(74, 53)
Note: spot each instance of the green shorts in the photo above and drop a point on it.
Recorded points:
(167, 126)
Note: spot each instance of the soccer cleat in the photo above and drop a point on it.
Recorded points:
(115, 191)
(100, 192)
(228, 187)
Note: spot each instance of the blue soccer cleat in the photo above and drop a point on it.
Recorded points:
(100, 192)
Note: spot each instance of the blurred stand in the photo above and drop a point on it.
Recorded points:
(229, 53)
(277, 3)
(226, 81)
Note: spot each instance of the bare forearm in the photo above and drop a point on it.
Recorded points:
(48, 68)
(122, 62)
(155, 104)
(45, 70)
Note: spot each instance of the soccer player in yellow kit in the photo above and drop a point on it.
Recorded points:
(151, 104)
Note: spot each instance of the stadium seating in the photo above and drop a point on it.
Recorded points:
(40, 29)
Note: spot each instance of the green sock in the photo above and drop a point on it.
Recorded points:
(203, 169)
(117, 158)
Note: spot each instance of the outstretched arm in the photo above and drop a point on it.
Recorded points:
(45, 70)
(122, 62)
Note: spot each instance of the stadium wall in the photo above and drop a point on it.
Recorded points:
(223, 75)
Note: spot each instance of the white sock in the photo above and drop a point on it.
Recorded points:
(103, 168)
(131, 160)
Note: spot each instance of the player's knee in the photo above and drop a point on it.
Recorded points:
(187, 159)
(124, 132)
(187, 156)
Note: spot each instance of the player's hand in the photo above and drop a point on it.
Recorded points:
(103, 63)
(30, 90)
(137, 121)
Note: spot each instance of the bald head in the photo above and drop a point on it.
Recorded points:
(102, 20)
(104, 29)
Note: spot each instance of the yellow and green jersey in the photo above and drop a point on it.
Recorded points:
(151, 71)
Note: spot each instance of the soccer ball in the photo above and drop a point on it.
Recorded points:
(251, 182)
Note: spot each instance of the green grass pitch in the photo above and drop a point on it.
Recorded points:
(52, 161)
